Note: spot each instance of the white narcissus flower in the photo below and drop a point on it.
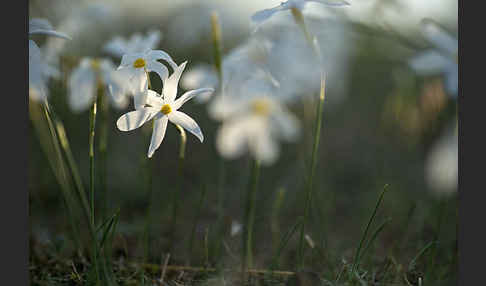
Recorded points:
(163, 108)
(137, 65)
(263, 15)
(253, 124)
(200, 75)
(137, 43)
(39, 70)
(443, 59)
(83, 84)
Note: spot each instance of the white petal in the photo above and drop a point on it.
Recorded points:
(135, 119)
(264, 147)
(429, 62)
(155, 55)
(154, 99)
(190, 94)
(82, 88)
(440, 38)
(127, 60)
(452, 80)
(263, 15)
(116, 47)
(170, 88)
(160, 69)
(43, 27)
(232, 137)
(187, 123)
(331, 3)
(222, 107)
(158, 133)
(286, 124)
(201, 75)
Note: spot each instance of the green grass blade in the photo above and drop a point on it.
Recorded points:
(372, 239)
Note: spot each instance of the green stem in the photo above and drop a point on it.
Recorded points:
(92, 124)
(317, 133)
(102, 147)
(250, 216)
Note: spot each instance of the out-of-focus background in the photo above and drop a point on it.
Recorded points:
(383, 123)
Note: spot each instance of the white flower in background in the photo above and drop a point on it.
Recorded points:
(83, 84)
(136, 66)
(39, 70)
(163, 108)
(137, 43)
(236, 227)
(200, 75)
(263, 15)
(254, 124)
(441, 165)
(442, 59)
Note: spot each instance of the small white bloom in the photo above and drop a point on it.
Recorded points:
(254, 124)
(83, 84)
(263, 15)
(39, 70)
(200, 75)
(118, 46)
(163, 108)
(442, 59)
(236, 228)
(137, 65)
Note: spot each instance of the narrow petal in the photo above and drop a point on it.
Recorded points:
(232, 137)
(187, 123)
(286, 125)
(264, 147)
(263, 15)
(331, 3)
(82, 89)
(154, 99)
(49, 33)
(155, 55)
(439, 37)
(127, 60)
(159, 68)
(135, 119)
(158, 133)
(452, 80)
(170, 88)
(190, 94)
(429, 62)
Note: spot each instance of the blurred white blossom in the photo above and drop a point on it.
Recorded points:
(136, 66)
(90, 73)
(137, 43)
(39, 70)
(163, 108)
(252, 124)
(260, 16)
(441, 165)
(442, 59)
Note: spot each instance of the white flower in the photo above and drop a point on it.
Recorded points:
(263, 15)
(442, 59)
(83, 84)
(163, 108)
(254, 124)
(200, 75)
(441, 165)
(137, 65)
(137, 43)
(39, 70)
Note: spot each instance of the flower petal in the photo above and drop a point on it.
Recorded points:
(331, 3)
(439, 37)
(158, 133)
(190, 94)
(127, 60)
(82, 88)
(264, 147)
(429, 62)
(263, 15)
(154, 55)
(135, 119)
(171, 84)
(232, 137)
(187, 123)
(287, 124)
(154, 99)
(159, 68)
(452, 80)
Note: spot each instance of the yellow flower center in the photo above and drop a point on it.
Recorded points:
(166, 109)
(139, 63)
(261, 107)
(95, 64)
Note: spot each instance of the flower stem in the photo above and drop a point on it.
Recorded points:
(102, 147)
(175, 198)
(317, 133)
(250, 216)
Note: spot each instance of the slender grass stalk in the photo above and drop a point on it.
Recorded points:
(370, 221)
(175, 198)
(250, 216)
(218, 61)
(277, 205)
(102, 147)
(317, 133)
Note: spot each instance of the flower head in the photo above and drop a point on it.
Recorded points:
(260, 16)
(441, 59)
(136, 67)
(85, 79)
(163, 108)
(137, 43)
(253, 124)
